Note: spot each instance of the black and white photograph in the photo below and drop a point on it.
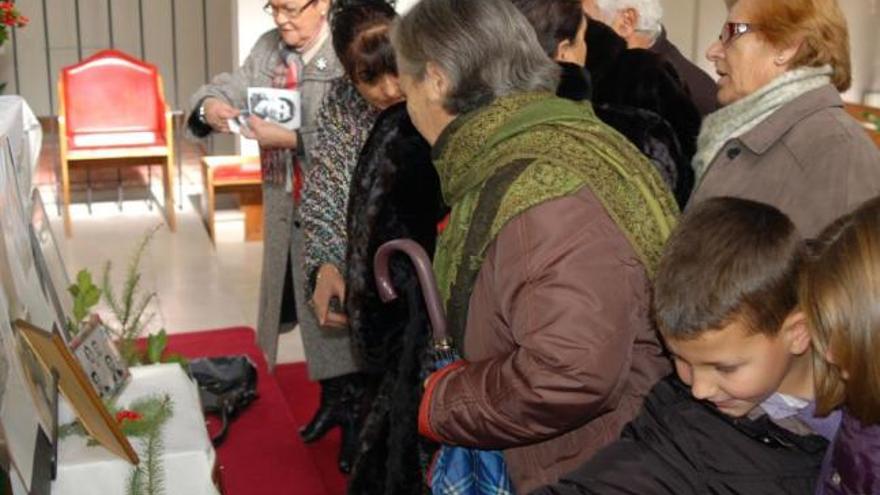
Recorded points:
(101, 361)
(281, 106)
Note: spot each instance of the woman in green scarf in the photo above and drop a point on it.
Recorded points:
(556, 227)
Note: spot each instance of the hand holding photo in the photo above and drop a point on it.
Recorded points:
(281, 106)
(236, 124)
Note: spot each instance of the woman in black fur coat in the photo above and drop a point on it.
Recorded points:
(641, 79)
(395, 193)
(634, 109)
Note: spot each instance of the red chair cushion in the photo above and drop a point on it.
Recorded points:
(115, 100)
(234, 173)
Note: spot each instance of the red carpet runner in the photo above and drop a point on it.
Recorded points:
(262, 454)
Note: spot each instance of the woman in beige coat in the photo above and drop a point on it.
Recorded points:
(783, 137)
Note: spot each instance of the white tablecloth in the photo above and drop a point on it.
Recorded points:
(188, 458)
(18, 122)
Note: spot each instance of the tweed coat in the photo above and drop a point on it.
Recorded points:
(327, 353)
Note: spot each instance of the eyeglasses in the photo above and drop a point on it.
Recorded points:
(733, 30)
(287, 12)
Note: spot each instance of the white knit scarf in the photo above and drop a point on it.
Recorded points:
(740, 117)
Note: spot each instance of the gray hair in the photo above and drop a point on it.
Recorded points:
(486, 48)
(650, 13)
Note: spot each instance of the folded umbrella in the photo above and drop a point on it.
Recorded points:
(456, 470)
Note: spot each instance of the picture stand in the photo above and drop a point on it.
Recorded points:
(73, 383)
(45, 469)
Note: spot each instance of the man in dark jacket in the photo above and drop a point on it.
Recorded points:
(639, 23)
(738, 418)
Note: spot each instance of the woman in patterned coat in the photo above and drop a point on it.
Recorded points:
(360, 39)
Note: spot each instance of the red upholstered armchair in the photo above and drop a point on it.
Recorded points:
(112, 111)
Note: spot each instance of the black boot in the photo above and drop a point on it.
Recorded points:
(351, 422)
(329, 411)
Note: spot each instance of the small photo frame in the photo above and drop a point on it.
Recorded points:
(281, 106)
(54, 356)
(100, 359)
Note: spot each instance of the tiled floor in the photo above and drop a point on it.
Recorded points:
(197, 285)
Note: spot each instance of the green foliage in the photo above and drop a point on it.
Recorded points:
(85, 296)
(148, 477)
(874, 119)
(156, 345)
(130, 307)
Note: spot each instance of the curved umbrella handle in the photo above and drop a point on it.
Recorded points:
(422, 264)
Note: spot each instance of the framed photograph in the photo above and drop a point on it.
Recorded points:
(281, 106)
(27, 412)
(101, 361)
(53, 354)
(54, 279)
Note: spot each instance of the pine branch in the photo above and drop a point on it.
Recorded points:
(136, 481)
(110, 297)
(133, 276)
(155, 483)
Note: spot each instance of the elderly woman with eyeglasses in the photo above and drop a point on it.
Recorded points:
(544, 268)
(297, 54)
(782, 136)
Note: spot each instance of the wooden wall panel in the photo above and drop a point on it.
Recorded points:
(8, 62)
(94, 26)
(63, 41)
(158, 42)
(126, 26)
(222, 57)
(190, 49)
(167, 33)
(32, 71)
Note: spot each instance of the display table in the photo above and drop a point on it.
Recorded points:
(188, 458)
(18, 122)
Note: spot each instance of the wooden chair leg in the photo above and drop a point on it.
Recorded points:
(89, 189)
(119, 189)
(65, 197)
(208, 175)
(168, 185)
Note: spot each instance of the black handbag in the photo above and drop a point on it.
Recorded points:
(227, 385)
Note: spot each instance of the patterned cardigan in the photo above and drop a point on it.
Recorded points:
(344, 123)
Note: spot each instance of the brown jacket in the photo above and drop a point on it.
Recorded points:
(810, 159)
(559, 344)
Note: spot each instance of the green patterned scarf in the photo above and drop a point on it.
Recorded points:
(525, 149)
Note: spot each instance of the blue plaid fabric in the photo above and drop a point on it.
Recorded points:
(463, 471)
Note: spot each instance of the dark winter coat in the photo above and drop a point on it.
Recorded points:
(701, 87)
(681, 446)
(646, 130)
(641, 79)
(852, 466)
(395, 193)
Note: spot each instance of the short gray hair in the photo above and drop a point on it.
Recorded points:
(487, 48)
(650, 13)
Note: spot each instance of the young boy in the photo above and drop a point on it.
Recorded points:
(738, 416)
